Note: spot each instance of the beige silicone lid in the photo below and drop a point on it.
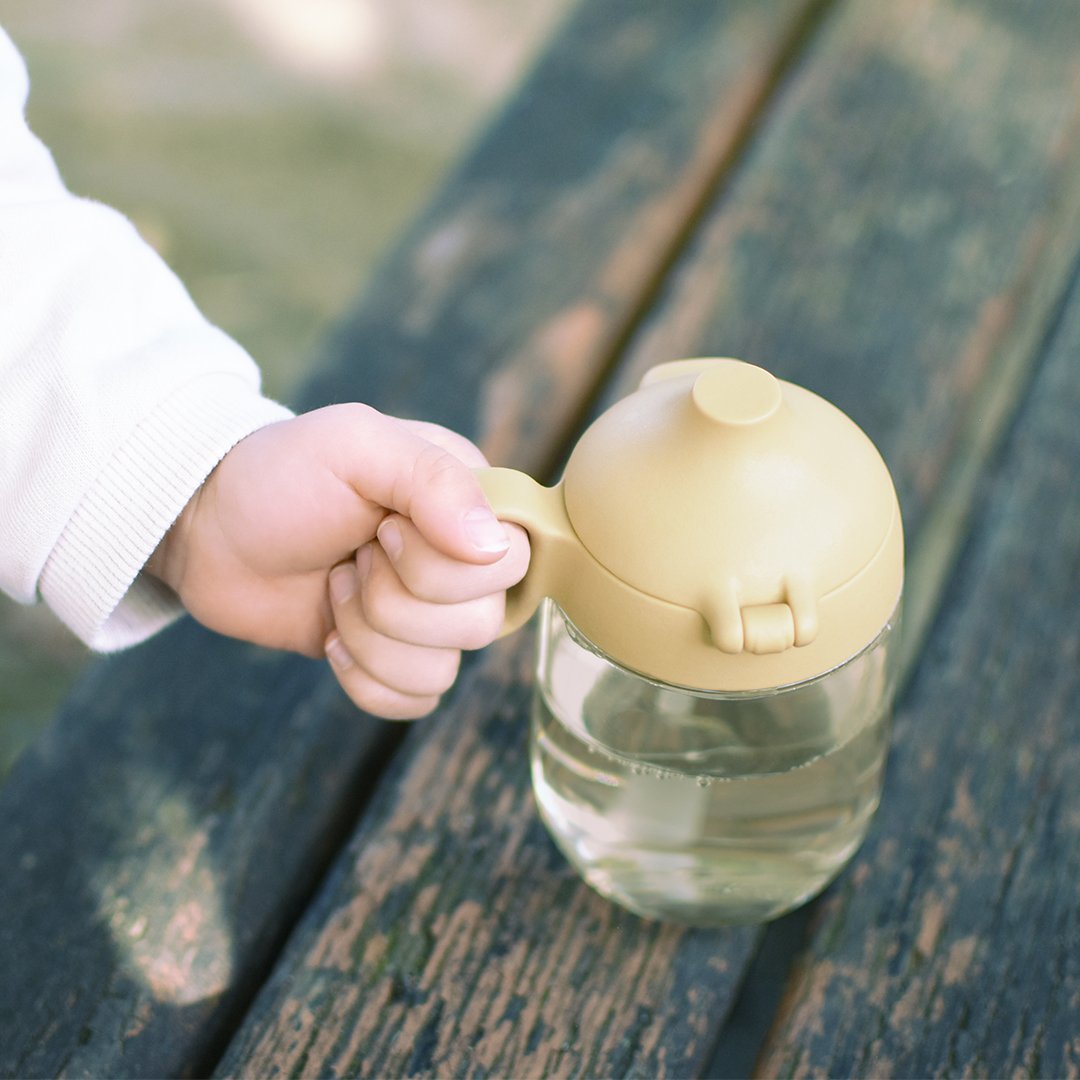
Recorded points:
(718, 529)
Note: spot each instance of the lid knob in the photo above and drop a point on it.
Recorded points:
(735, 394)
(719, 528)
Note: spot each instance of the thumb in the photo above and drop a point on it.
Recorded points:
(425, 472)
(445, 502)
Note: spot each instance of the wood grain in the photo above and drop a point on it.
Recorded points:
(517, 285)
(455, 940)
(896, 237)
(951, 948)
(163, 837)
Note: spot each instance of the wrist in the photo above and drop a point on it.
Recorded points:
(168, 561)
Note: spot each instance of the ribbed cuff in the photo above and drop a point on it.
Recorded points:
(92, 578)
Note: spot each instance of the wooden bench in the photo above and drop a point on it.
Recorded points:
(214, 864)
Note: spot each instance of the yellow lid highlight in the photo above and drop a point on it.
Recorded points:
(719, 529)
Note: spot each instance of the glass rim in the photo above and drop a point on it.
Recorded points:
(890, 624)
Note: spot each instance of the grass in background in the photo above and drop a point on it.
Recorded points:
(270, 182)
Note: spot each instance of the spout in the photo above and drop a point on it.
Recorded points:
(541, 511)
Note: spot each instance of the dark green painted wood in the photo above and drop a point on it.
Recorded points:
(454, 940)
(523, 277)
(156, 843)
(953, 946)
(897, 237)
(161, 839)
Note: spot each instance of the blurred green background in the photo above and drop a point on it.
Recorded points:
(270, 150)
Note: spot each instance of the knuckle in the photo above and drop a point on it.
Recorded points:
(433, 469)
(485, 622)
(410, 670)
(353, 419)
(366, 693)
(426, 583)
(380, 605)
(439, 673)
(378, 699)
(437, 465)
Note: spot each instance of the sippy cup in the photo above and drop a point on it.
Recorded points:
(719, 575)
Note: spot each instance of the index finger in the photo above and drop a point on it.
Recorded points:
(431, 575)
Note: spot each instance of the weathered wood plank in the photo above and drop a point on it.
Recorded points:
(896, 239)
(455, 940)
(527, 272)
(141, 890)
(900, 236)
(161, 839)
(952, 948)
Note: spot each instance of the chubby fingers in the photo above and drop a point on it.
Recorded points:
(429, 574)
(404, 611)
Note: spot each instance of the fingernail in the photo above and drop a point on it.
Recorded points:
(390, 538)
(337, 654)
(342, 584)
(485, 530)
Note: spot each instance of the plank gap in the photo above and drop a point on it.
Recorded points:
(1040, 296)
(991, 415)
(793, 49)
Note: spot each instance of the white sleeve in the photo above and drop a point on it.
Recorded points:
(117, 398)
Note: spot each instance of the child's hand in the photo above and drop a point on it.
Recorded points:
(355, 535)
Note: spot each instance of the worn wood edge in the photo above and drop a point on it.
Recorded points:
(1037, 295)
(727, 145)
(548, 374)
(940, 545)
(963, 963)
(401, 979)
(139, 1042)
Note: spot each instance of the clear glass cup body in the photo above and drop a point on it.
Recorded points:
(706, 808)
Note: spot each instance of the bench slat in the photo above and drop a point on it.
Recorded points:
(870, 248)
(162, 837)
(951, 947)
(523, 278)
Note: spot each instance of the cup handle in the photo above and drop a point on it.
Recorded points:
(516, 497)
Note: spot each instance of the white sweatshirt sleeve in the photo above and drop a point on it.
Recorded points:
(117, 398)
